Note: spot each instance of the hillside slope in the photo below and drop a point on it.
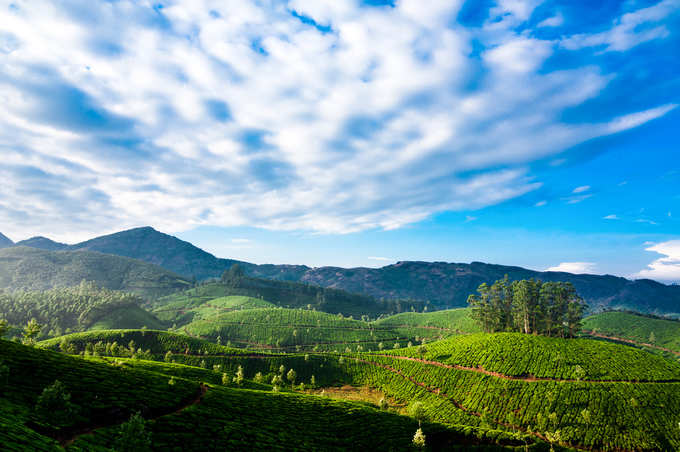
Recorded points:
(42, 243)
(35, 269)
(186, 408)
(5, 241)
(644, 331)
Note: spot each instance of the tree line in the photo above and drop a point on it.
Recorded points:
(528, 306)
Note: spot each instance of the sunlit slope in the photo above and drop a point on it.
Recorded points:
(437, 324)
(184, 414)
(158, 343)
(522, 355)
(290, 328)
(639, 329)
(592, 394)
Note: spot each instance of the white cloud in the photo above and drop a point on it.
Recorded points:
(666, 268)
(554, 21)
(377, 258)
(646, 221)
(469, 218)
(611, 217)
(541, 203)
(581, 189)
(574, 267)
(629, 30)
(239, 113)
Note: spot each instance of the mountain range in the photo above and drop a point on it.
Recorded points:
(443, 284)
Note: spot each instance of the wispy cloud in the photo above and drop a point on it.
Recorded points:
(581, 189)
(574, 267)
(378, 258)
(469, 218)
(198, 113)
(611, 217)
(541, 203)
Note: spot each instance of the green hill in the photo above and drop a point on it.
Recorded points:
(184, 408)
(431, 324)
(180, 307)
(591, 394)
(157, 343)
(35, 269)
(76, 308)
(292, 329)
(642, 330)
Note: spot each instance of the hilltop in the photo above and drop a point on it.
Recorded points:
(443, 284)
(42, 243)
(5, 241)
(34, 269)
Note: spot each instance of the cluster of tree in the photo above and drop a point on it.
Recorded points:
(528, 306)
(63, 310)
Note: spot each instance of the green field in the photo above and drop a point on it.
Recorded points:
(654, 332)
(187, 408)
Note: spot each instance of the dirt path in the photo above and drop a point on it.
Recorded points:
(439, 393)
(67, 438)
(630, 341)
(525, 378)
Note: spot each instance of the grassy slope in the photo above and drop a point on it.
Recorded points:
(226, 418)
(127, 318)
(35, 269)
(636, 328)
(620, 415)
(546, 357)
(157, 342)
(280, 293)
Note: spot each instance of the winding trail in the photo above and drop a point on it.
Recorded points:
(66, 438)
(439, 393)
(524, 378)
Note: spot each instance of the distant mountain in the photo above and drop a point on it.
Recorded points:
(28, 268)
(169, 252)
(42, 243)
(445, 285)
(449, 284)
(4, 241)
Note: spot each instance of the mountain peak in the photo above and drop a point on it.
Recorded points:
(5, 242)
(42, 243)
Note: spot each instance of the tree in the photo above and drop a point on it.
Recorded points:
(233, 276)
(238, 379)
(31, 331)
(419, 439)
(291, 376)
(54, 404)
(4, 327)
(417, 411)
(133, 436)
(652, 338)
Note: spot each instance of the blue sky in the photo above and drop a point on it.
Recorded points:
(524, 132)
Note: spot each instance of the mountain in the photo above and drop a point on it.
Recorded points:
(169, 252)
(42, 243)
(449, 284)
(4, 241)
(23, 267)
(445, 285)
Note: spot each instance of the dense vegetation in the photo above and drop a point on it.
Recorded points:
(79, 308)
(528, 306)
(93, 403)
(643, 330)
(24, 268)
(520, 355)
(279, 293)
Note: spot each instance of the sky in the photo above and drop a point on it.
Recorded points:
(543, 134)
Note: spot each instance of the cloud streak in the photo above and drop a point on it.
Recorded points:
(319, 116)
